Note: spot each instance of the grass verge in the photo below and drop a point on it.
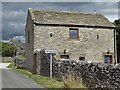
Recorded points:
(47, 82)
(7, 61)
(10, 65)
(44, 81)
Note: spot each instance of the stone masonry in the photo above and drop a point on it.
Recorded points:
(93, 75)
(96, 36)
(87, 45)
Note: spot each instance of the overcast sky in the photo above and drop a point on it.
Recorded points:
(14, 14)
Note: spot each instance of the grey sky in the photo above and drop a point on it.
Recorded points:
(14, 13)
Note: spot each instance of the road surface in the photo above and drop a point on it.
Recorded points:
(14, 79)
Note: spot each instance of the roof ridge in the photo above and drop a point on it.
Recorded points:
(69, 17)
(74, 12)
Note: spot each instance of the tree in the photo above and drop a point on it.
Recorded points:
(8, 50)
(117, 24)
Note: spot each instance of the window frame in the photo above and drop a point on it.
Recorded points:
(110, 61)
(108, 54)
(64, 55)
(74, 29)
(82, 58)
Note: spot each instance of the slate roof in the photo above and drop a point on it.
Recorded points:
(69, 18)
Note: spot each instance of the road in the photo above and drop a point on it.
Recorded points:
(14, 79)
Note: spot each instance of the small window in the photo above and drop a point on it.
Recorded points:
(82, 58)
(97, 36)
(73, 33)
(64, 57)
(51, 35)
(108, 59)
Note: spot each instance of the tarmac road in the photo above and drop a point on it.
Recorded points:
(14, 79)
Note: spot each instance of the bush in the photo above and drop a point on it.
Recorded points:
(8, 50)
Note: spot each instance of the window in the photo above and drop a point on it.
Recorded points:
(82, 58)
(64, 57)
(108, 59)
(51, 35)
(97, 36)
(73, 33)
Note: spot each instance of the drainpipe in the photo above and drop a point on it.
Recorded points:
(115, 47)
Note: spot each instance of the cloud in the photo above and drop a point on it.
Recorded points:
(61, 1)
(12, 29)
(14, 14)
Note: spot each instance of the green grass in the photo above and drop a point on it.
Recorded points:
(7, 61)
(10, 66)
(44, 81)
(74, 84)
(20, 56)
(71, 82)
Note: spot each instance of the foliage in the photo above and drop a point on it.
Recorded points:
(8, 50)
(117, 24)
(7, 61)
(71, 82)
(21, 56)
(10, 65)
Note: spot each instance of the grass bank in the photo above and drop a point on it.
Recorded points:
(44, 81)
(47, 82)
(7, 61)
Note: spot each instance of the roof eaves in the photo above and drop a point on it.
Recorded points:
(37, 23)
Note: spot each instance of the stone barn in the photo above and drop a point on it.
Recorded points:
(74, 35)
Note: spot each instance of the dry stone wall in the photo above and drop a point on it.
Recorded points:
(44, 65)
(93, 75)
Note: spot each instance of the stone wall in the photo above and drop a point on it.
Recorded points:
(93, 75)
(29, 44)
(19, 62)
(87, 45)
(45, 64)
(7, 58)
